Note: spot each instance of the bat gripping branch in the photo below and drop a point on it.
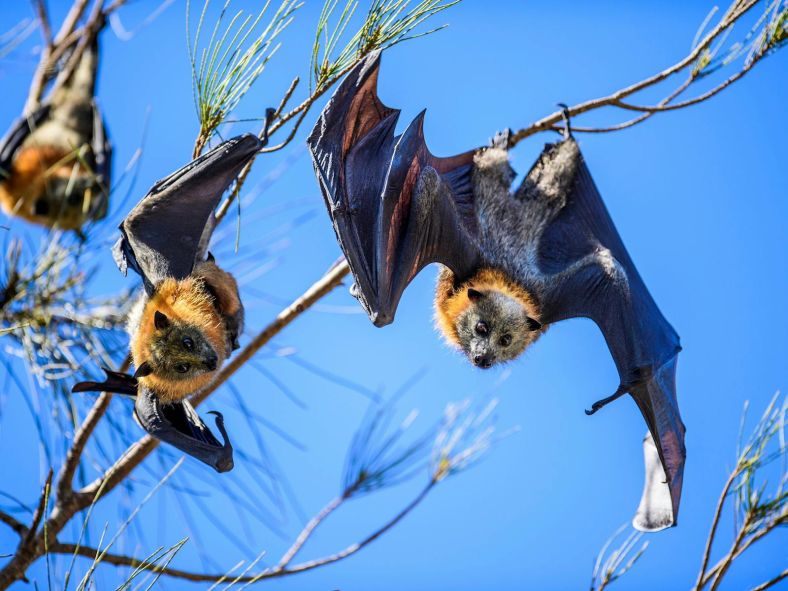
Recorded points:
(567, 131)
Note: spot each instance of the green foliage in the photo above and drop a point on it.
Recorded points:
(387, 23)
(234, 58)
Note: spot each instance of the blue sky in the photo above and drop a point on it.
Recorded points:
(698, 196)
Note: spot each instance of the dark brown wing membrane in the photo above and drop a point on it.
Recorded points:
(395, 207)
(593, 276)
(177, 424)
(168, 230)
(102, 153)
(19, 132)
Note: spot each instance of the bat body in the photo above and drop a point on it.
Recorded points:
(187, 320)
(512, 262)
(55, 162)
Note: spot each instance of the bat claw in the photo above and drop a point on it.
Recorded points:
(567, 130)
(269, 118)
(501, 139)
(605, 401)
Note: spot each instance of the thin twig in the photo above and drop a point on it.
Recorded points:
(713, 530)
(43, 18)
(771, 582)
(310, 527)
(615, 99)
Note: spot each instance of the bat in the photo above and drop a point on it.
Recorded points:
(512, 263)
(188, 317)
(55, 162)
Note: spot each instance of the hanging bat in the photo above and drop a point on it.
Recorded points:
(512, 263)
(55, 161)
(189, 315)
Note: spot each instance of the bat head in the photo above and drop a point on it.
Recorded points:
(490, 318)
(179, 351)
(494, 328)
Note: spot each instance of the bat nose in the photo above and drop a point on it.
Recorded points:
(482, 361)
(210, 363)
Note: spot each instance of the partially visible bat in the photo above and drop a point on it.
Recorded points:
(188, 318)
(514, 263)
(55, 162)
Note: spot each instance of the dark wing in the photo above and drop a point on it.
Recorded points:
(177, 424)
(18, 133)
(395, 207)
(593, 276)
(117, 382)
(102, 155)
(168, 231)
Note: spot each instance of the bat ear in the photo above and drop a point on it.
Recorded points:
(474, 295)
(533, 324)
(143, 370)
(160, 321)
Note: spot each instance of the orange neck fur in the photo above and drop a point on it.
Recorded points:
(182, 301)
(451, 301)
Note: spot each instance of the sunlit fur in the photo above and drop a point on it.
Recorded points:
(504, 306)
(198, 307)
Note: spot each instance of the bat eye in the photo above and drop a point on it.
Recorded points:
(481, 328)
(188, 344)
(505, 340)
(182, 367)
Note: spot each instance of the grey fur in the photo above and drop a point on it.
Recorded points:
(510, 226)
(504, 318)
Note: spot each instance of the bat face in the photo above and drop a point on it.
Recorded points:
(494, 328)
(490, 318)
(179, 351)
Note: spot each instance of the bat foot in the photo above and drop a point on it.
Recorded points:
(605, 401)
(501, 139)
(565, 115)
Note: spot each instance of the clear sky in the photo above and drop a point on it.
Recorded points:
(699, 197)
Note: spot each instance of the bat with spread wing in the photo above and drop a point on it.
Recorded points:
(188, 318)
(512, 262)
(55, 161)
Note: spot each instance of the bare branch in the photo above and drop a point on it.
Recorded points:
(81, 438)
(43, 18)
(772, 582)
(12, 522)
(288, 556)
(713, 530)
(552, 122)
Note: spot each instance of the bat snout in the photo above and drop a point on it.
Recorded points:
(484, 361)
(211, 362)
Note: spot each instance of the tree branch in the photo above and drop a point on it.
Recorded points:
(12, 522)
(772, 582)
(551, 122)
(81, 437)
(43, 18)
(278, 571)
(700, 582)
(310, 527)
